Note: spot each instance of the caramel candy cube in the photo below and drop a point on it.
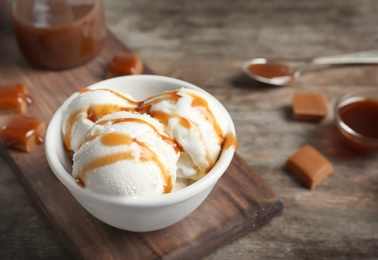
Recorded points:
(309, 166)
(14, 98)
(23, 132)
(309, 106)
(124, 64)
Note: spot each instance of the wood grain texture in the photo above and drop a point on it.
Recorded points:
(240, 203)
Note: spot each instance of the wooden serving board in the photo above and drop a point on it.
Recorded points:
(241, 201)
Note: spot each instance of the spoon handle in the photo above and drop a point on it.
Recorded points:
(366, 57)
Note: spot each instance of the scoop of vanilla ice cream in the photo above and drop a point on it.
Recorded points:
(84, 108)
(195, 121)
(126, 153)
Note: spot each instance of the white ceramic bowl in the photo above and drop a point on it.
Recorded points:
(135, 213)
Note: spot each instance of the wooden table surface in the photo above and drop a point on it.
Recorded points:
(206, 43)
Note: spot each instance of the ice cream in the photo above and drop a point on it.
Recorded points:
(85, 107)
(139, 148)
(193, 119)
(126, 153)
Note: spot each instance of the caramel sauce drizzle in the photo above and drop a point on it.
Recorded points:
(174, 96)
(68, 135)
(169, 95)
(95, 112)
(82, 90)
(202, 103)
(165, 138)
(117, 94)
(164, 117)
(230, 141)
(197, 101)
(114, 139)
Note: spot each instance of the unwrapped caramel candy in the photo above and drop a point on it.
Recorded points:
(14, 98)
(309, 106)
(124, 64)
(23, 132)
(309, 166)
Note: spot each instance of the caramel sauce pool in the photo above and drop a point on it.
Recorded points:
(362, 117)
(270, 70)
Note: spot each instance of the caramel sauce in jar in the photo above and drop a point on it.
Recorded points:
(362, 117)
(59, 34)
(357, 121)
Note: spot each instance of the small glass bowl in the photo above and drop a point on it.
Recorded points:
(355, 140)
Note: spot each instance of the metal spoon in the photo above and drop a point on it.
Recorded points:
(287, 74)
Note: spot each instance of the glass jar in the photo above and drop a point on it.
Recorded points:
(356, 117)
(59, 34)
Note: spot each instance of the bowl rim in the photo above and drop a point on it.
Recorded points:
(186, 193)
(346, 99)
